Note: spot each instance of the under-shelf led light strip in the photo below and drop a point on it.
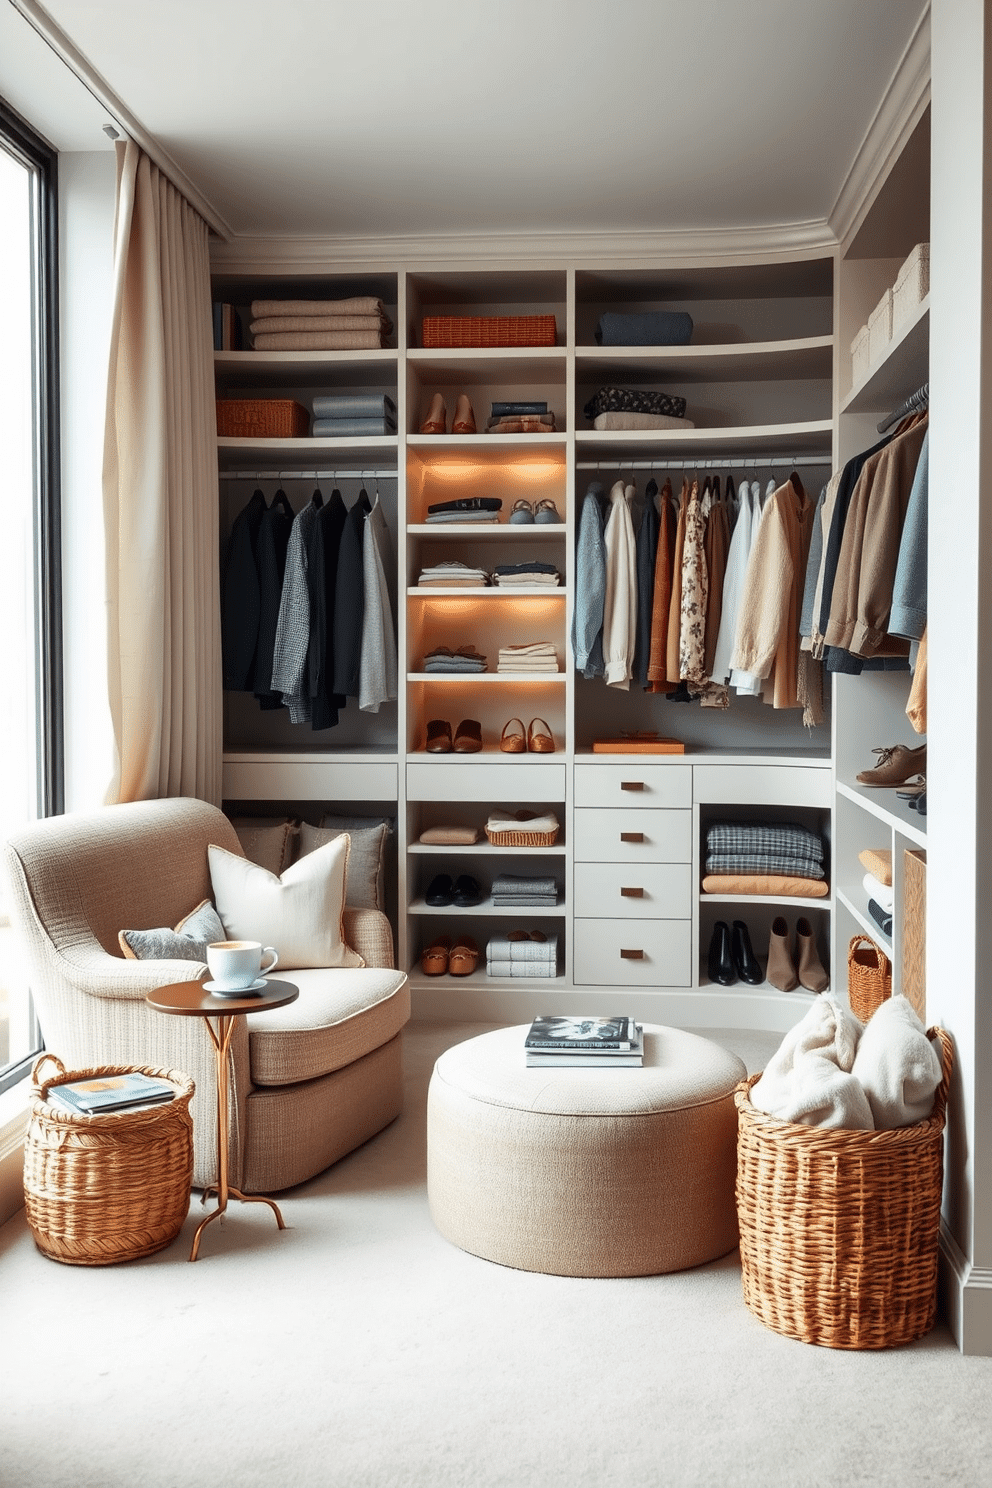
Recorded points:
(306, 475)
(723, 462)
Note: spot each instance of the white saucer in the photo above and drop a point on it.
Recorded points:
(219, 989)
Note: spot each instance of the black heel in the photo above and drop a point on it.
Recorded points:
(720, 964)
(748, 967)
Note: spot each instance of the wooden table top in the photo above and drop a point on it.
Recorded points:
(191, 999)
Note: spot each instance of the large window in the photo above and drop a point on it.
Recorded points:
(30, 608)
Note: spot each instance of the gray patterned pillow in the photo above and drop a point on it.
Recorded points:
(363, 886)
(188, 942)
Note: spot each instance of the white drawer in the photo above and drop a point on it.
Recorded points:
(450, 779)
(638, 953)
(642, 891)
(636, 784)
(308, 780)
(632, 836)
(761, 785)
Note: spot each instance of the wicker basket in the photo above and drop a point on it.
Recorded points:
(869, 977)
(520, 838)
(262, 418)
(101, 1189)
(839, 1229)
(493, 330)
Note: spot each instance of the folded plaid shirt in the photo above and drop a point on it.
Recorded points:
(775, 839)
(763, 863)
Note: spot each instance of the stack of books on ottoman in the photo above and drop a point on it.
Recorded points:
(581, 1043)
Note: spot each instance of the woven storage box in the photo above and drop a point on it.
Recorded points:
(880, 328)
(494, 330)
(520, 838)
(100, 1189)
(912, 284)
(914, 930)
(860, 356)
(262, 418)
(869, 977)
(839, 1229)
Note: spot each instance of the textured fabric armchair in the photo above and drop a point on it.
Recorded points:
(309, 1082)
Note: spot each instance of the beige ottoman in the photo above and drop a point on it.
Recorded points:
(599, 1172)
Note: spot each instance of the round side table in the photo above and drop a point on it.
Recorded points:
(191, 1000)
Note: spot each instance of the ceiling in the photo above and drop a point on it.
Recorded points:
(314, 118)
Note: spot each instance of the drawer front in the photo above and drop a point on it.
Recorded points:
(308, 780)
(761, 785)
(637, 953)
(633, 836)
(636, 784)
(642, 891)
(451, 780)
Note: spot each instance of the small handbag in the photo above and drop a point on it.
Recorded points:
(869, 977)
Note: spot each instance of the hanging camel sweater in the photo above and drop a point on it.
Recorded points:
(767, 641)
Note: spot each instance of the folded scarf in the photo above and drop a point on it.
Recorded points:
(644, 328)
(897, 1065)
(808, 1079)
(320, 341)
(357, 305)
(634, 400)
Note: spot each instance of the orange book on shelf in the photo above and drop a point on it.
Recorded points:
(638, 744)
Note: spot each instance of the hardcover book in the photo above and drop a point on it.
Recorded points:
(559, 1036)
(111, 1093)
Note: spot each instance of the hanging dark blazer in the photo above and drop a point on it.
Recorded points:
(273, 541)
(326, 552)
(646, 550)
(240, 598)
(349, 601)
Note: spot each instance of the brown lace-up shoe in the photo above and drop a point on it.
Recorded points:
(895, 766)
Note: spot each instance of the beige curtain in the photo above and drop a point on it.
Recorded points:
(160, 497)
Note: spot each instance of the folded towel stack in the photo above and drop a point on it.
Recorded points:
(520, 418)
(644, 328)
(522, 958)
(636, 408)
(504, 824)
(357, 324)
(523, 575)
(353, 415)
(513, 891)
(452, 574)
(883, 894)
(540, 656)
(466, 659)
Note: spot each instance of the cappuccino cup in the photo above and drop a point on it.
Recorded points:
(236, 964)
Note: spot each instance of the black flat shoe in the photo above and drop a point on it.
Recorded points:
(439, 891)
(746, 962)
(466, 892)
(720, 963)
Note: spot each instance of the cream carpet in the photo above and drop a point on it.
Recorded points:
(360, 1348)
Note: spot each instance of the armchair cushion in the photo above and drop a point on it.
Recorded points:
(301, 913)
(187, 942)
(340, 1016)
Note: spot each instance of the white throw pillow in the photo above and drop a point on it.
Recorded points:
(300, 913)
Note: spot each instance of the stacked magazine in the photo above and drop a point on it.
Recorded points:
(583, 1043)
(108, 1094)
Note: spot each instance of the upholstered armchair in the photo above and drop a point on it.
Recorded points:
(309, 1082)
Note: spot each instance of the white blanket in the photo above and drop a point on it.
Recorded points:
(809, 1080)
(897, 1066)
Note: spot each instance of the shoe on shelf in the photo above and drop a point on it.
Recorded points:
(514, 742)
(439, 891)
(436, 421)
(809, 966)
(746, 962)
(434, 959)
(546, 511)
(912, 789)
(466, 891)
(781, 967)
(463, 958)
(438, 737)
(895, 766)
(522, 511)
(468, 737)
(719, 961)
(464, 419)
(540, 740)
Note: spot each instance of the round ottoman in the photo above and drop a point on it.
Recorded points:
(599, 1172)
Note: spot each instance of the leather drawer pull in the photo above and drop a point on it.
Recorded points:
(631, 893)
(631, 836)
(631, 955)
(633, 785)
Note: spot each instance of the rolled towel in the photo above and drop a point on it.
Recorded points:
(809, 1078)
(897, 1065)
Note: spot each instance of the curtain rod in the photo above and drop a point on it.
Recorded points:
(724, 462)
(307, 475)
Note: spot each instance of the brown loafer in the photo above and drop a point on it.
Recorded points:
(438, 737)
(516, 741)
(468, 737)
(540, 740)
(434, 960)
(463, 958)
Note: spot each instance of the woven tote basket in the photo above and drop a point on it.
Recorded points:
(101, 1189)
(520, 838)
(839, 1229)
(869, 977)
(488, 330)
(262, 418)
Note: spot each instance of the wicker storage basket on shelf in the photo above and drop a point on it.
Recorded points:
(262, 418)
(101, 1189)
(520, 838)
(839, 1229)
(869, 977)
(488, 330)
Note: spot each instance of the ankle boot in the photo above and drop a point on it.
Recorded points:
(720, 962)
(746, 962)
(811, 973)
(781, 968)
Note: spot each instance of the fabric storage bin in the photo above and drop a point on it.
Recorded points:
(912, 284)
(488, 330)
(860, 357)
(107, 1188)
(262, 418)
(840, 1229)
(880, 327)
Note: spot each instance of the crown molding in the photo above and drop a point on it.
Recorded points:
(899, 111)
(276, 254)
(67, 52)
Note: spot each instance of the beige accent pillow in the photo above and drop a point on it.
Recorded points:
(363, 884)
(268, 840)
(300, 913)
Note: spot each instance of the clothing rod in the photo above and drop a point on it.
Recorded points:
(727, 462)
(307, 475)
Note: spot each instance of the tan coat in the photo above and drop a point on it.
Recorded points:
(767, 641)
